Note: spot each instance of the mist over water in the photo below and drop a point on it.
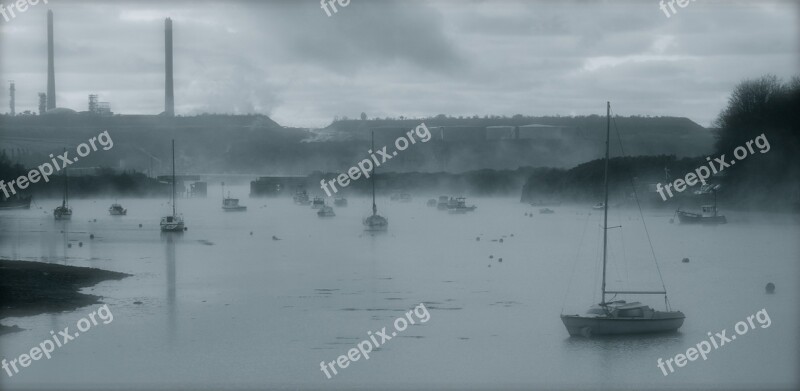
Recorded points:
(222, 308)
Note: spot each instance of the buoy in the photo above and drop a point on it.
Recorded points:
(80, 244)
(490, 265)
(95, 220)
(185, 228)
(500, 260)
(140, 226)
(685, 260)
(530, 215)
(251, 233)
(91, 236)
(770, 287)
(512, 235)
(491, 257)
(69, 245)
(501, 240)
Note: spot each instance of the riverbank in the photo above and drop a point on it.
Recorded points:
(33, 288)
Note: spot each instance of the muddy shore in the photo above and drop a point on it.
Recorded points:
(33, 288)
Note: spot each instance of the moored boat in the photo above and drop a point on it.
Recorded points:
(117, 210)
(618, 317)
(64, 212)
(340, 201)
(174, 222)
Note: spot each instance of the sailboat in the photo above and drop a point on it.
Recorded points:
(64, 212)
(618, 317)
(376, 222)
(173, 223)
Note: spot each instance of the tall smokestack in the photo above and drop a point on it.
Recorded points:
(169, 98)
(13, 91)
(51, 69)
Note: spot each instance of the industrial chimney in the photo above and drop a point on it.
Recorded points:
(51, 71)
(12, 91)
(169, 98)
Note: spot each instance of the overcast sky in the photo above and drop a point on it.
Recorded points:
(291, 61)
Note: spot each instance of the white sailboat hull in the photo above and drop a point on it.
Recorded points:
(586, 326)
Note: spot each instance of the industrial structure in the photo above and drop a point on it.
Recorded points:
(51, 67)
(12, 105)
(99, 108)
(169, 98)
(42, 103)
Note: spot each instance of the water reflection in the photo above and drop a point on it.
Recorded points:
(169, 239)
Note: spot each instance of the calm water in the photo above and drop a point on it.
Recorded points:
(222, 308)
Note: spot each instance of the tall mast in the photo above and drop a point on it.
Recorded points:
(66, 188)
(374, 173)
(605, 201)
(174, 199)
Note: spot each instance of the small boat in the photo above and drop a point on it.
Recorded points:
(708, 214)
(174, 222)
(599, 206)
(231, 204)
(546, 211)
(117, 210)
(375, 222)
(432, 202)
(401, 197)
(317, 203)
(443, 201)
(340, 201)
(618, 317)
(15, 202)
(325, 211)
(300, 197)
(460, 206)
(64, 212)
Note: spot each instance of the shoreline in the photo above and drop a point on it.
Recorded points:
(35, 288)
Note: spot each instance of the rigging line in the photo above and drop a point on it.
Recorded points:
(641, 214)
(575, 263)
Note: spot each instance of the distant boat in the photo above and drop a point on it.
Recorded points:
(443, 202)
(15, 202)
(300, 197)
(173, 223)
(375, 222)
(401, 197)
(708, 214)
(340, 201)
(326, 211)
(432, 202)
(117, 210)
(618, 317)
(318, 202)
(546, 211)
(599, 206)
(231, 204)
(64, 212)
(460, 206)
